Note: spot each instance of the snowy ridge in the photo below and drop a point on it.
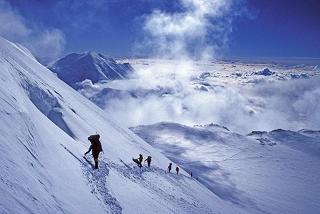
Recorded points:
(268, 172)
(44, 128)
(75, 68)
(307, 141)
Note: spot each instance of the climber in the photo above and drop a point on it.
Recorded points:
(138, 160)
(169, 167)
(148, 160)
(95, 147)
(177, 170)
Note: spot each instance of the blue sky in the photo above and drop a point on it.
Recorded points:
(256, 28)
(280, 28)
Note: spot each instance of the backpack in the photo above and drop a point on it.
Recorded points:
(94, 137)
(96, 145)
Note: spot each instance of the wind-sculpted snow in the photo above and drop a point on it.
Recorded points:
(44, 126)
(268, 172)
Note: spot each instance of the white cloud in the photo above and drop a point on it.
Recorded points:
(292, 105)
(11, 23)
(45, 43)
(178, 35)
(48, 45)
(172, 96)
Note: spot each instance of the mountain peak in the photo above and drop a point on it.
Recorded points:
(92, 54)
(77, 67)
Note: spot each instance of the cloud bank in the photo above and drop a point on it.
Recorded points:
(291, 104)
(45, 43)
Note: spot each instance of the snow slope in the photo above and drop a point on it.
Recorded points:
(44, 127)
(75, 68)
(271, 172)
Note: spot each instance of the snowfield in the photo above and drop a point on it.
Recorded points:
(44, 128)
(271, 172)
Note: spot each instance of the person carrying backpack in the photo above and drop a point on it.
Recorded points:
(177, 170)
(148, 160)
(138, 160)
(95, 147)
(169, 167)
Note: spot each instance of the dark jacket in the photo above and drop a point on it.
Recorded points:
(148, 159)
(95, 145)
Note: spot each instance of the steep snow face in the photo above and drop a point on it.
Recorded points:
(271, 172)
(44, 125)
(36, 176)
(75, 68)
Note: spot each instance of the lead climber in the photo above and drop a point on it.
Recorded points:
(95, 147)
